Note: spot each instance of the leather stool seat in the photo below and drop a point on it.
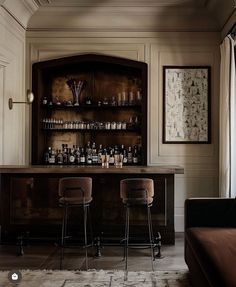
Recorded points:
(137, 201)
(76, 200)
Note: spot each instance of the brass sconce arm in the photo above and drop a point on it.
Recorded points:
(29, 97)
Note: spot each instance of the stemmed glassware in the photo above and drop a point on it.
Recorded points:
(76, 87)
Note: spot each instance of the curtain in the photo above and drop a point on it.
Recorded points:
(227, 142)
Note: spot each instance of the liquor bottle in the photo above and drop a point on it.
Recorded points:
(113, 101)
(45, 101)
(130, 155)
(88, 154)
(59, 157)
(136, 122)
(139, 154)
(139, 96)
(88, 101)
(116, 156)
(106, 156)
(82, 156)
(135, 155)
(52, 157)
(65, 154)
(71, 156)
(94, 154)
(88, 147)
(116, 150)
(47, 155)
(124, 153)
(111, 158)
(77, 155)
(100, 150)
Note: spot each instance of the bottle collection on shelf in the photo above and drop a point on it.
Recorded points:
(58, 124)
(122, 99)
(90, 155)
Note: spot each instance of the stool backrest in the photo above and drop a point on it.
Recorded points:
(75, 187)
(136, 188)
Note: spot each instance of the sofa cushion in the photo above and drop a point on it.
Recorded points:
(215, 251)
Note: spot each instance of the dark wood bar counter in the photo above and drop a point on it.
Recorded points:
(29, 201)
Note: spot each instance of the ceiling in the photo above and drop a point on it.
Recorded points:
(134, 15)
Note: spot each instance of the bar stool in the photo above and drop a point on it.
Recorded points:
(75, 192)
(137, 192)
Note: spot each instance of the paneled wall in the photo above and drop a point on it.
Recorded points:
(200, 161)
(12, 85)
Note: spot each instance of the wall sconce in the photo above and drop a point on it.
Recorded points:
(29, 98)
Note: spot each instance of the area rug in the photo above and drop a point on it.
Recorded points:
(102, 278)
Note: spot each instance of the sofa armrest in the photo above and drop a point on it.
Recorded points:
(210, 212)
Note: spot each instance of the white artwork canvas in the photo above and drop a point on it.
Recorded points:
(186, 104)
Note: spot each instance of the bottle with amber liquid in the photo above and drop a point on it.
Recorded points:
(130, 155)
(82, 157)
(59, 158)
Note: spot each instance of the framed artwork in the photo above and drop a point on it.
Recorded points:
(186, 104)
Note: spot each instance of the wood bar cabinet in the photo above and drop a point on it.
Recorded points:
(29, 200)
(81, 99)
(110, 108)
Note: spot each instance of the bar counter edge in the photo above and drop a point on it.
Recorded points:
(157, 169)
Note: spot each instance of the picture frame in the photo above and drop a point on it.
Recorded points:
(186, 104)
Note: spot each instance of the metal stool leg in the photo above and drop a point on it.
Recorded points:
(85, 237)
(90, 225)
(127, 238)
(124, 240)
(150, 234)
(153, 239)
(63, 234)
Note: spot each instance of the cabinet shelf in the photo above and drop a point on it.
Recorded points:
(135, 130)
(90, 107)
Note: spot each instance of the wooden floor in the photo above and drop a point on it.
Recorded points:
(47, 257)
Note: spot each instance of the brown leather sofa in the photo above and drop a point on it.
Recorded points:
(210, 241)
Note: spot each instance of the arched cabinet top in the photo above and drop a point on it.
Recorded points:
(91, 58)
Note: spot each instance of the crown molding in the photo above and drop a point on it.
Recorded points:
(122, 18)
(209, 15)
(31, 5)
(132, 3)
(20, 11)
(222, 10)
(42, 2)
(228, 24)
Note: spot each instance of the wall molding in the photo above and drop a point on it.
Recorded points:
(20, 11)
(12, 57)
(11, 25)
(2, 92)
